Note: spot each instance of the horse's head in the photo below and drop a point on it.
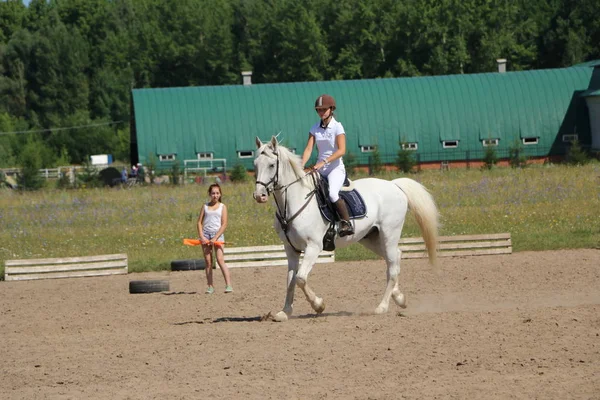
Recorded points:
(266, 169)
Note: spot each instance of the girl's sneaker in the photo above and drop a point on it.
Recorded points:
(228, 289)
(210, 290)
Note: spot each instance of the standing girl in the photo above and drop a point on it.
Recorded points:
(329, 137)
(212, 223)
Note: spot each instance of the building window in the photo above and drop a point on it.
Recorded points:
(245, 153)
(489, 142)
(570, 138)
(410, 146)
(530, 140)
(205, 156)
(166, 157)
(450, 144)
(369, 148)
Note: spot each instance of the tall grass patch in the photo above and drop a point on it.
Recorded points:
(549, 207)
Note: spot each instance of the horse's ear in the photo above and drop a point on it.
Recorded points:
(258, 143)
(274, 142)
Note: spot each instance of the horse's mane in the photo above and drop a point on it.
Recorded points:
(289, 163)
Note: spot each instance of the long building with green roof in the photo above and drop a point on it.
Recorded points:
(441, 118)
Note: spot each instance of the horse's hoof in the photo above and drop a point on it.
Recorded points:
(381, 310)
(400, 299)
(280, 317)
(319, 305)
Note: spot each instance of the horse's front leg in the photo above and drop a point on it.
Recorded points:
(293, 260)
(311, 253)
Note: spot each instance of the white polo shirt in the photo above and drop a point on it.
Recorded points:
(325, 138)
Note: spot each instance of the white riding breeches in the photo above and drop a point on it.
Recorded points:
(335, 177)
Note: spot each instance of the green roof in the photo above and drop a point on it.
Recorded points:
(426, 110)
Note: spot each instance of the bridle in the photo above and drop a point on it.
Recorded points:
(273, 186)
(274, 180)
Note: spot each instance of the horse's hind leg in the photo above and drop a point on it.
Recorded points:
(393, 270)
(391, 254)
(397, 295)
(310, 256)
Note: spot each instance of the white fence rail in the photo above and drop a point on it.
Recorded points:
(70, 267)
(265, 256)
(52, 173)
(460, 245)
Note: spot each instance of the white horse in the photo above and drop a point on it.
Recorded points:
(301, 227)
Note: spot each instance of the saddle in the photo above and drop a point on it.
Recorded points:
(354, 202)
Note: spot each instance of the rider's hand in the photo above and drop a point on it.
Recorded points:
(318, 166)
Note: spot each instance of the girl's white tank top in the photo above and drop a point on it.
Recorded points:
(212, 219)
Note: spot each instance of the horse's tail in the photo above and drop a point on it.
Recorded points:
(426, 213)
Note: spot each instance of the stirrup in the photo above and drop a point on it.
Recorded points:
(346, 228)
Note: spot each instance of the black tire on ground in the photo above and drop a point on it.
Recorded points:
(188, 265)
(148, 286)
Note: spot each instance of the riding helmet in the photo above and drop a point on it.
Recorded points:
(325, 101)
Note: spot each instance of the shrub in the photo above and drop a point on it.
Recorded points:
(516, 157)
(29, 178)
(576, 155)
(375, 164)
(63, 181)
(149, 170)
(175, 173)
(238, 173)
(405, 161)
(30, 160)
(89, 177)
(490, 158)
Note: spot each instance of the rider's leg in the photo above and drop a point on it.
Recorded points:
(336, 180)
(346, 227)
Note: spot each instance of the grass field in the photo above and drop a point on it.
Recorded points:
(543, 207)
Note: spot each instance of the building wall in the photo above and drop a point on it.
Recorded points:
(511, 106)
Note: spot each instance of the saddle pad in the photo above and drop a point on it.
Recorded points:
(354, 201)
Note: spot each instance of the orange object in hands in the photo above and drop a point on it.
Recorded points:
(196, 242)
(192, 242)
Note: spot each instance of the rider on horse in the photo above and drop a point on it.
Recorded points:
(329, 136)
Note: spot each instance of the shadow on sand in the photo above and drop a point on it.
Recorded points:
(172, 293)
(267, 317)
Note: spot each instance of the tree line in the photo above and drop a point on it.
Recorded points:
(67, 67)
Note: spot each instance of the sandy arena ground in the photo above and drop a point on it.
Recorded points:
(520, 326)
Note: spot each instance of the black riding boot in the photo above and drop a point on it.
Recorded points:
(346, 227)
